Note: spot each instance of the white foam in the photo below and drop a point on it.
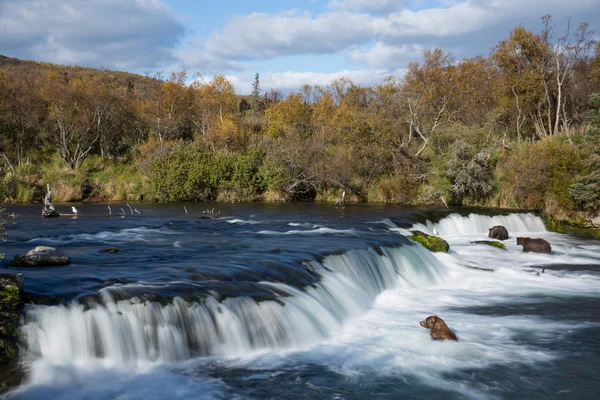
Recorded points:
(474, 224)
(241, 221)
(318, 231)
(143, 234)
(360, 320)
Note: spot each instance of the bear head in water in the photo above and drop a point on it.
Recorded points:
(498, 232)
(534, 245)
(438, 328)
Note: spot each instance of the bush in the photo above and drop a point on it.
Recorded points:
(192, 172)
(538, 175)
(586, 192)
(470, 173)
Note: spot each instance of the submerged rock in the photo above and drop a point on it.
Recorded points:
(432, 243)
(491, 243)
(41, 256)
(110, 250)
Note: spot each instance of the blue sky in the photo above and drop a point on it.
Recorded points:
(289, 43)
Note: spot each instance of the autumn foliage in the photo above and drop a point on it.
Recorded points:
(514, 128)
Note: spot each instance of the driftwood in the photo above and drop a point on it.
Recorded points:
(49, 211)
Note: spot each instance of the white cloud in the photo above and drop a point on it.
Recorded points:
(260, 35)
(387, 56)
(292, 81)
(371, 6)
(124, 34)
(470, 27)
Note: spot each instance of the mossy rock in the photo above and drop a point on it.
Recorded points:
(573, 227)
(11, 291)
(9, 350)
(491, 243)
(431, 243)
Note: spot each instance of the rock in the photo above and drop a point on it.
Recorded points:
(491, 243)
(50, 213)
(11, 292)
(432, 243)
(110, 250)
(41, 256)
(11, 304)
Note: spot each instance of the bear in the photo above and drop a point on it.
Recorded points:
(534, 245)
(438, 328)
(498, 232)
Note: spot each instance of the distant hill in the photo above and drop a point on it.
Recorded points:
(12, 65)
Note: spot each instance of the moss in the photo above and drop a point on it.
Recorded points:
(9, 293)
(491, 243)
(432, 243)
(573, 227)
(9, 350)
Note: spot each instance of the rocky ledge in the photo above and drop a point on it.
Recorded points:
(11, 305)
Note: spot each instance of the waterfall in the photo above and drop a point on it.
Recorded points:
(128, 331)
(475, 224)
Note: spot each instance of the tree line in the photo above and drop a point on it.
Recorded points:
(516, 128)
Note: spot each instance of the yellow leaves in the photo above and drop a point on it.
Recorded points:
(288, 113)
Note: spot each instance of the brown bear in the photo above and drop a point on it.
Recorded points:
(438, 328)
(498, 232)
(534, 245)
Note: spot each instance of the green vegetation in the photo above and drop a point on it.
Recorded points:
(492, 243)
(9, 294)
(519, 128)
(431, 243)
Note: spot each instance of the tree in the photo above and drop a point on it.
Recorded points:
(24, 113)
(427, 95)
(523, 62)
(570, 49)
(168, 106)
(78, 111)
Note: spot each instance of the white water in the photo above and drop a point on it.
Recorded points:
(142, 234)
(131, 331)
(360, 320)
(456, 225)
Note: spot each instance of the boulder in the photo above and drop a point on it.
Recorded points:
(491, 243)
(41, 256)
(432, 243)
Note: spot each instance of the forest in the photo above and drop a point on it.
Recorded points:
(518, 128)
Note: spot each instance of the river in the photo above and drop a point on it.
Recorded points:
(304, 301)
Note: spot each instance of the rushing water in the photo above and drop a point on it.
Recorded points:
(304, 302)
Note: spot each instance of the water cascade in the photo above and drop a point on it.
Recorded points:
(128, 331)
(475, 224)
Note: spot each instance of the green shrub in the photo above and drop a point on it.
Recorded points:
(538, 175)
(586, 192)
(470, 173)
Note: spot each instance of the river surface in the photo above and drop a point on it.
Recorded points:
(303, 301)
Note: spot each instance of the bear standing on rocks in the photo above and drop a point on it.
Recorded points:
(498, 232)
(534, 245)
(438, 328)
